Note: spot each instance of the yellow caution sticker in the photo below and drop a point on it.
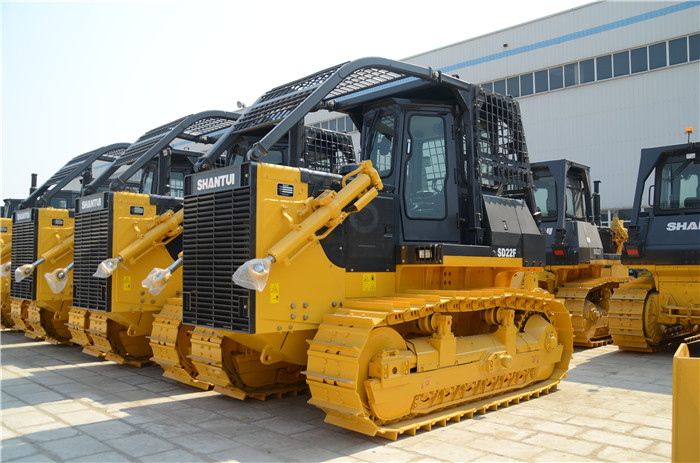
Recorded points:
(369, 282)
(274, 293)
(126, 283)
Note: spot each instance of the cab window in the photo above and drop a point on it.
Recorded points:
(148, 180)
(546, 196)
(177, 184)
(426, 170)
(574, 198)
(381, 142)
(680, 184)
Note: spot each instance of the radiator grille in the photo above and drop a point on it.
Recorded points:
(93, 244)
(24, 252)
(216, 241)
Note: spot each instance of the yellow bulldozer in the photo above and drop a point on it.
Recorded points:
(583, 258)
(42, 239)
(388, 288)
(662, 306)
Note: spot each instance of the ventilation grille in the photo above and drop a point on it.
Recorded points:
(216, 241)
(93, 244)
(23, 252)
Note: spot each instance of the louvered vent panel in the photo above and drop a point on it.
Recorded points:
(216, 241)
(23, 252)
(93, 244)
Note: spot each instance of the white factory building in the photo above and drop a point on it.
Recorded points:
(595, 84)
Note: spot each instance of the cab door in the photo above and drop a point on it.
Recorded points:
(429, 190)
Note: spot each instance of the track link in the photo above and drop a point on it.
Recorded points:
(627, 315)
(589, 319)
(361, 374)
(237, 371)
(171, 344)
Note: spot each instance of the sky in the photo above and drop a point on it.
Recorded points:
(84, 74)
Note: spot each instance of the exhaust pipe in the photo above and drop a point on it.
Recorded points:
(32, 188)
(596, 202)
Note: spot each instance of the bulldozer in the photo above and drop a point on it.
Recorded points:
(583, 258)
(122, 232)
(388, 288)
(42, 238)
(662, 306)
(5, 258)
(6, 212)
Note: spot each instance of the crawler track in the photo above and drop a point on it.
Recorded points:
(587, 300)
(368, 378)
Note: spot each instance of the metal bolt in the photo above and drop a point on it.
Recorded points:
(293, 316)
(294, 305)
(279, 327)
(334, 303)
(306, 316)
(306, 305)
(291, 326)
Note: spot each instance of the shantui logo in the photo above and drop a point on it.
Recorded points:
(216, 182)
(91, 203)
(682, 226)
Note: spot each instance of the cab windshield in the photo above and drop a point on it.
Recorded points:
(680, 184)
(546, 196)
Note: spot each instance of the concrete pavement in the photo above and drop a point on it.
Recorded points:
(59, 404)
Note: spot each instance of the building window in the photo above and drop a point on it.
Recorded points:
(621, 63)
(513, 86)
(639, 59)
(349, 126)
(678, 51)
(556, 78)
(694, 47)
(571, 74)
(587, 71)
(500, 86)
(526, 84)
(657, 55)
(603, 66)
(541, 81)
(488, 86)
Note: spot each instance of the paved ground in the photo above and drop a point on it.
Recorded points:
(61, 405)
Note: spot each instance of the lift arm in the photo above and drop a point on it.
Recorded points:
(168, 226)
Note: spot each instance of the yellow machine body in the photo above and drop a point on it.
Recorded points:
(686, 406)
(5, 258)
(50, 233)
(137, 236)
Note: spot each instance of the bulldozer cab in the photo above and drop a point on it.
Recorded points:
(411, 151)
(666, 233)
(564, 202)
